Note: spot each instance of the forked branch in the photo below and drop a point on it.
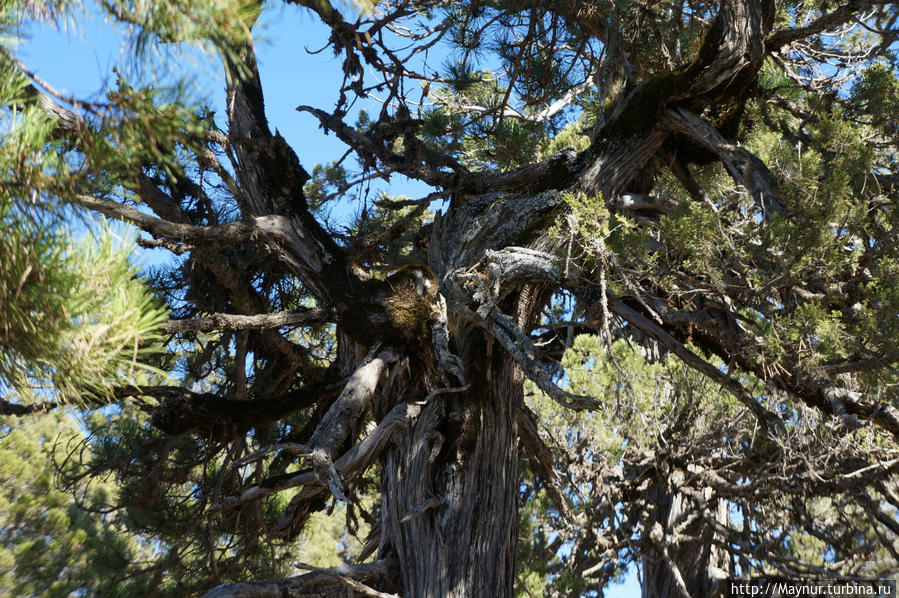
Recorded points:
(352, 463)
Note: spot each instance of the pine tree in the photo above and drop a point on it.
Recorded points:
(646, 315)
(51, 542)
(73, 318)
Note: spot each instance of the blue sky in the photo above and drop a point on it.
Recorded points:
(79, 61)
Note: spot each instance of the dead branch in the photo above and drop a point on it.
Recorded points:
(380, 573)
(353, 462)
(343, 417)
(212, 237)
(229, 322)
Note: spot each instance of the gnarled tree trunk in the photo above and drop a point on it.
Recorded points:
(449, 449)
(450, 484)
(685, 560)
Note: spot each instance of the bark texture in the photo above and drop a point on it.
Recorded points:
(434, 344)
(685, 560)
(450, 484)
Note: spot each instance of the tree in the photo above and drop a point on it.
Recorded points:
(72, 314)
(708, 190)
(54, 544)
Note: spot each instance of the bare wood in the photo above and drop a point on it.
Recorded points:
(212, 237)
(348, 581)
(379, 572)
(744, 167)
(228, 322)
(343, 417)
(353, 462)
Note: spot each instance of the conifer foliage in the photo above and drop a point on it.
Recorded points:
(646, 314)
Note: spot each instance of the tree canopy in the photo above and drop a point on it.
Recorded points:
(646, 314)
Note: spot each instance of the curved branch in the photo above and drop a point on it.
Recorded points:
(744, 167)
(19, 410)
(555, 172)
(229, 322)
(475, 295)
(353, 462)
(522, 350)
(835, 18)
(342, 418)
(381, 573)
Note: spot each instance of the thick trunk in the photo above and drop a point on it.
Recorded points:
(450, 485)
(684, 567)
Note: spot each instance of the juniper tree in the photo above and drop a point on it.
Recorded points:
(705, 190)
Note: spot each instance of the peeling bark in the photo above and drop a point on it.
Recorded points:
(462, 455)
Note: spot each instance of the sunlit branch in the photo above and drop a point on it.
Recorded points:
(227, 322)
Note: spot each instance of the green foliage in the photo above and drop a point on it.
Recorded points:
(157, 478)
(645, 402)
(326, 541)
(51, 543)
(328, 181)
(589, 216)
(808, 289)
(162, 29)
(536, 560)
(74, 318)
(389, 231)
(141, 125)
(876, 93)
(631, 388)
(571, 136)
